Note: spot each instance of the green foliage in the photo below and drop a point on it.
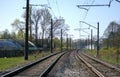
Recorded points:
(111, 43)
(20, 34)
(93, 52)
(112, 34)
(56, 43)
(108, 54)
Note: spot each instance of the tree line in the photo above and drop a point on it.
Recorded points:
(39, 27)
(112, 35)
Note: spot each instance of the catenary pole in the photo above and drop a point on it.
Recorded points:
(26, 31)
(61, 40)
(98, 40)
(67, 42)
(51, 36)
(91, 38)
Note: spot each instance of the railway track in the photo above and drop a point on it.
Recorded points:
(39, 68)
(84, 69)
(100, 68)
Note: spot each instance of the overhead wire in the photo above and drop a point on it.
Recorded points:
(110, 2)
(96, 5)
(48, 2)
(118, 1)
(51, 8)
(88, 10)
(58, 8)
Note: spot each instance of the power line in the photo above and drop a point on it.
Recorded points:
(48, 2)
(93, 5)
(88, 5)
(50, 7)
(86, 13)
(110, 2)
(84, 6)
(89, 9)
(58, 8)
(118, 1)
(97, 4)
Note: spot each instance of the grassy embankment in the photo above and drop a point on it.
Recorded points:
(9, 63)
(109, 55)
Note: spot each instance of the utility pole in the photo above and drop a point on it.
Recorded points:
(30, 13)
(67, 42)
(97, 35)
(51, 36)
(98, 40)
(30, 22)
(88, 42)
(61, 40)
(26, 31)
(70, 44)
(91, 38)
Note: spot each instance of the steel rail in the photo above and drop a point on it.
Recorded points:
(46, 72)
(104, 63)
(99, 74)
(21, 69)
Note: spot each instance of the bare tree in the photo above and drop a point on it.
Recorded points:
(58, 24)
(45, 21)
(19, 26)
(36, 17)
(112, 27)
(5, 34)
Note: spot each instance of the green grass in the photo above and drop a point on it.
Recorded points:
(93, 52)
(9, 63)
(107, 54)
(6, 63)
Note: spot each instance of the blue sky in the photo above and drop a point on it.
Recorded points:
(12, 9)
